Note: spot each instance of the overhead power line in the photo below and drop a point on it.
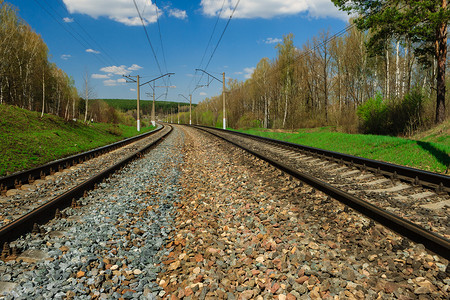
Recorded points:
(103, 51)
(206, 49)
(148, 37)
(221, 36)
(84, 44)
(162, 48)
(342, 32)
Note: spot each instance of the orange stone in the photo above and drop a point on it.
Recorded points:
(80, 274)
(168, 262)
(302, 279)
(290, 297)
(275, 287)
(198, 258)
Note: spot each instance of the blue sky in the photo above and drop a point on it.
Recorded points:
(106, 38)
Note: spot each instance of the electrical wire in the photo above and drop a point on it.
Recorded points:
(162, 49)
(221, 36)
(85, 46)
(78, 34)
(103, 51)
(206, 49)
(148, 37)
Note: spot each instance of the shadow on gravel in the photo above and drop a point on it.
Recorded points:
(440, 155)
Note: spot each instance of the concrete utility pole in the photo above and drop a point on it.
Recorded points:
(190, 106)
(178, 113)
(190, 109)
(223, 92)
(138, 96)
(138, 105)
(153, 108)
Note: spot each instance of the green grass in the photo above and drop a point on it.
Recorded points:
(27, 141)
(422, 154)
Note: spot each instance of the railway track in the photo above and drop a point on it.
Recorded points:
(35, 204)
(19, 201)
(196, 218)
(412, 202)
(17, 180)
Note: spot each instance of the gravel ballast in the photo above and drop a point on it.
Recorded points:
(246, 231)
(110, 248)
(197, 218)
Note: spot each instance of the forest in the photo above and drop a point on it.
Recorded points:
(360, 81)
(27, 78)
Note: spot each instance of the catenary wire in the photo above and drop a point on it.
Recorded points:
(103, 51)
(148, 37)
(68, 31)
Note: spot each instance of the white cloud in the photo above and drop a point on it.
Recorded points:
(248, 72)
(134, 67)
(272, 40)
(178, 13)
(67, 20)
(272, 8)
(133, 90)
(99, 76)
(120, 70)
(92, 51)
(66, 56)
(114, 82)
(117, 70)
(122, 11)
(110, 82)
(203, 94)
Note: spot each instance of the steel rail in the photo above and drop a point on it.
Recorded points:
(46, 212)
(433, 180)
(10, 181)
(414, 232)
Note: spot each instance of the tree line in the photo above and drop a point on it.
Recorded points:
(27, 78)
(373, 71)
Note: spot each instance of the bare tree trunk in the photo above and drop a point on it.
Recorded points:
(66, 113)
(285, 110)
(441, 55)
(43, 92)
(58, 91)
(387, 74)
(325, 84)
(397, 71)
(73, 108)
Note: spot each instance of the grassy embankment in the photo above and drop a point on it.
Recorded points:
(429, 150)
(27, 141)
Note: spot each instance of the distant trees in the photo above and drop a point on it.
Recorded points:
(27, 79)
(417, 24)
(328, 80)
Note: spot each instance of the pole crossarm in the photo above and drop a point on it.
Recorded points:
(130, 78)
(154, 79)
(183, 96)
(209, 75)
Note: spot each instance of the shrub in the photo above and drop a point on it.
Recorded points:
(374, 115)
(403, 116)
(248, 120)
(115, 130)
